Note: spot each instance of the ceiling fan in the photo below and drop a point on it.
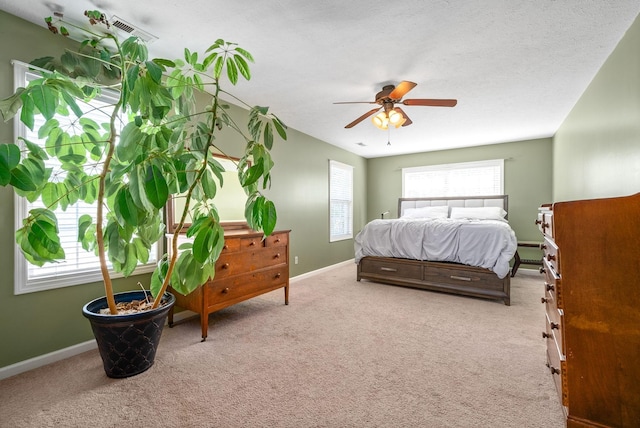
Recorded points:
(391, 115)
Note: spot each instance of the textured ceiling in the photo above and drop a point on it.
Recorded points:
(515, 67)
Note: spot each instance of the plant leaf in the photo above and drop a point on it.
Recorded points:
(155, 187)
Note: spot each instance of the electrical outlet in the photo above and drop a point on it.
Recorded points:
(295, 260)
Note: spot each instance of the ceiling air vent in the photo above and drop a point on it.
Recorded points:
(128, 28)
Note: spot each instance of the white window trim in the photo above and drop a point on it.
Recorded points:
(22, 284)
(334, 238)
(460, 165)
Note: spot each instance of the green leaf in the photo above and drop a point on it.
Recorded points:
(10, 106)
(155, 187)
(129, 147)
(45, 99)
(232, 71)
(280, 127)
(125, 209)
(269, 217)
(268, 136)
(84, 222)
(155, 71)
(22, 179)
(202, 245)
(245, 54)
(131, 260)
(9, 159)
(243, 67)
(217, 68)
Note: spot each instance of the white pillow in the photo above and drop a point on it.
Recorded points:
(426, 212)
(478, 213)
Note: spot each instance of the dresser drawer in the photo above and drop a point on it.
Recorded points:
(247, 261)
(544, 221)
(551, 254)
(552, 284)
(222, 292)
(555, 319)
(557, 365)
(448, 274)
(393, 268)
(276, 239)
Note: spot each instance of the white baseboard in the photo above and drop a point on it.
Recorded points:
(61, 354)
(321, 270)
(43, 360)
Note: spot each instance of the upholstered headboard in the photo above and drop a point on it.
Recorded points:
(501, 201)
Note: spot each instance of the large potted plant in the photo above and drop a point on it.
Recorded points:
(154, 144)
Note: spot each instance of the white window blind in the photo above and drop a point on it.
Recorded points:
(79, 266)
(456, 179)
(340, 201)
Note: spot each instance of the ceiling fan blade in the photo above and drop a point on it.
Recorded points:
(363, 117)
(408, 121)
(401, 90)
(430, 102)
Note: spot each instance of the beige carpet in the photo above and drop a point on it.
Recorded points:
(342, 354)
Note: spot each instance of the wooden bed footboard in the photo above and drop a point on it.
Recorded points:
(446, 277)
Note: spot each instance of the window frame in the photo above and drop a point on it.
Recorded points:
(452, 167)
(348, 218)
(22, 283)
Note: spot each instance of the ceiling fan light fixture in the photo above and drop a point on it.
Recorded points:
(396, 118)
(380, 120)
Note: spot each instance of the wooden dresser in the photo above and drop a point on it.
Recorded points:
(248, 266)
(591, 267)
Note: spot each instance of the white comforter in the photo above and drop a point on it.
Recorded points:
(484, 243)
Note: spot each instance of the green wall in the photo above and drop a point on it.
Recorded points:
(597, 148)
(38, 323)
(527, 181)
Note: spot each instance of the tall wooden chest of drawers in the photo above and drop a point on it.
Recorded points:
(591, 268)
(249, 265)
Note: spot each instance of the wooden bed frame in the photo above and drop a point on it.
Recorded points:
(446, 277)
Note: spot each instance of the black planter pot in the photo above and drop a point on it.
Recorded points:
(127, 343)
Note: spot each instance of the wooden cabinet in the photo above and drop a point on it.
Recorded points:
(591, 268)
(248, 266)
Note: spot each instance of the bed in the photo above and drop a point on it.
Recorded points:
(458, 245)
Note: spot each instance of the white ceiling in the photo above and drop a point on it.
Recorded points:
(515, 67)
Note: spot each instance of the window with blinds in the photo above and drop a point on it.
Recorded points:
(340, 201)
(455, 179)
(79, 266)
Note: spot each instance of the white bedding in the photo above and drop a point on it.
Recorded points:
(490, 244)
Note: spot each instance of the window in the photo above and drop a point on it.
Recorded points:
(340, 201)
(79, 266)
(454, 179)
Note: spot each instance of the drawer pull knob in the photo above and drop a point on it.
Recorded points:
(555, 326)
(550, 287)
(252, 243)
(226, 247)
(543, 300)
(545, 335)
(460, 278)
(225, 290)
(278, 275)
(277, 240)
(277, 256)
(554, 370)
(386, 269)
(550, 257)
(225, 266)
